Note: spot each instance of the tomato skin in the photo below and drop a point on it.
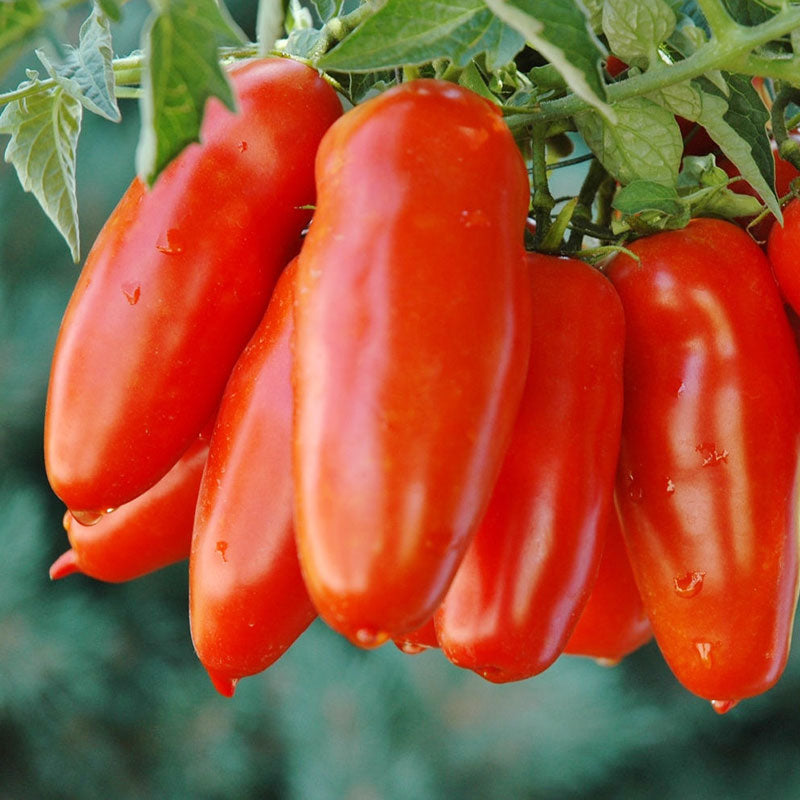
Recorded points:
(528, 572)
(707, 479)
(613, 622)
(175, 284)
(149, 533)
(247, 599)
(411, 346)
(417, 641)
(783, 248)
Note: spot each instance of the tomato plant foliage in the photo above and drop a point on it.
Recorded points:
(411, 336)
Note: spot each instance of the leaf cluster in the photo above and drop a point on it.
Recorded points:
(545, 64)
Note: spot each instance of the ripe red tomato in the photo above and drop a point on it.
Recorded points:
(175, 285)
(527, 574)
(415, 642)
(149, 533)
(613, 623)
(247, 599)
(410, 353)
(783, 249)
(707, 478)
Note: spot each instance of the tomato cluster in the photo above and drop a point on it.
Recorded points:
(416, 429)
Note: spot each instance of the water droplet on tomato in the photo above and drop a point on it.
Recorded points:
(475, 218)
(492, 674)
(171, 243)
(670, 486)
(723, 706)
(224, 684)
(712, 455)
(411, 648)
(221, 548)
(689, 584)
(704, 651)
(607, 662)
(242, 147)
(681, 389)
(634, 489)
(369, 637)
(132, 292)
(86, 518)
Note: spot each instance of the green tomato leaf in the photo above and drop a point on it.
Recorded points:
(747, 12)
(302, 41)
(326, 9)
(562, 33)
(87, 73)
(736, 120)
(594, 10)
(181, 72)
(737, 123)
(682, 99)
(20, 23)
(640, 196)
(412, 32)
(472, 79)
(357, 85)
(297, 16)
(111, 8)
(636, 28)
(44, 130)
(645, 143)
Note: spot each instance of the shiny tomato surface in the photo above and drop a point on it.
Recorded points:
(176, 283)
(149, 533)
(247, 600)
(527, 574)
(783, 250)
(410, 353)
(613, 623)
(707, 484)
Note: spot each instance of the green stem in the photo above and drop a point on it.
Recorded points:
(719, 20)
(571, 162)
(788, 147)
(732, 53)
(542, 199)
(583, 210)
(605, 197)
(337, 28)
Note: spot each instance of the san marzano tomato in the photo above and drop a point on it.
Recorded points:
(528, 572)
(707, 481)
(410, 351)
(176, 283)
(247, 600)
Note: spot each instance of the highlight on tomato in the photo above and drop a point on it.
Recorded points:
(528, 572)
(175, 284)
(412, 336)
(707, 480)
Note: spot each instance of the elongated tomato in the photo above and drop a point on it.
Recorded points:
(527, 574)
(149, 533)
(247, 600)
(175, 285)
(707, 484)
(411, 346)
(613, 622)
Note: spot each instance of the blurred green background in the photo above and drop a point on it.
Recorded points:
(101, 695)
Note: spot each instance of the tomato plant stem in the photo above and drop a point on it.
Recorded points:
(733, 54)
